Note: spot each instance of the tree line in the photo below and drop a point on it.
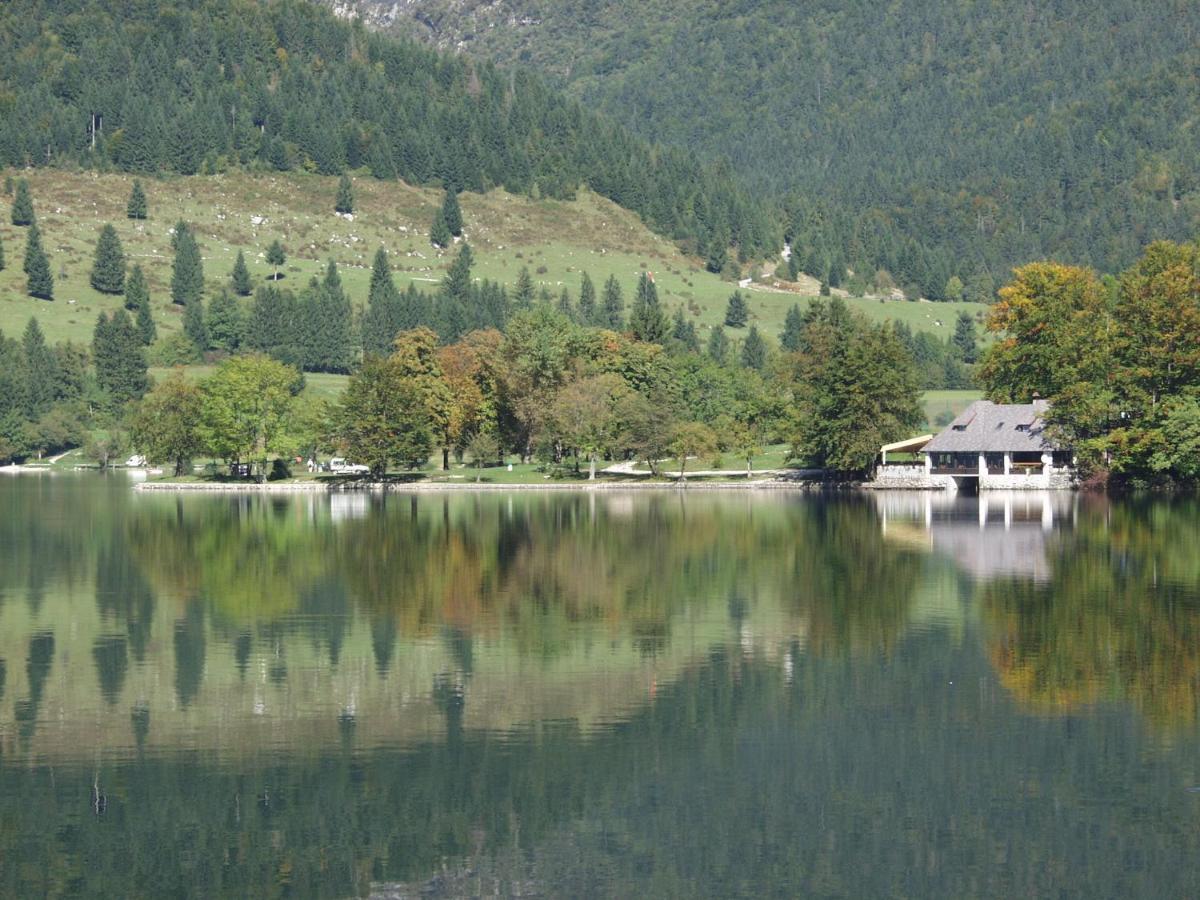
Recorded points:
(200, 86)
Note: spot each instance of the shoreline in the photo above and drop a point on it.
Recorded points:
(484, 487)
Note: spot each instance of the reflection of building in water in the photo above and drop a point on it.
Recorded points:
(995, 534)
(347, 505)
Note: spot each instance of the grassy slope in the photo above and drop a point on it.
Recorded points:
(506, 231)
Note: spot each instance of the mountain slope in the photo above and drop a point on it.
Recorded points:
(929, 138)
(204, 86)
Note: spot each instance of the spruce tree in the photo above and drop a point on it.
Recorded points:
(1, 256)
(452, 213)
(108, 267)
(345, 196)
(337, 321)
(523, 292)
(39, 281)
(136, 207)
(718, 346)
(718, 252)
(381, 322)
(187, 271)
(37, 373)
(736, 313)
(224, 323)
(439, 231)
(612, 309)
(381, 160)
(276, 257)
(118, 358)
(565, 306)
(147, 331)
(754, 350)
(137, 301)
(239, 278)
(194, 325)
(455, 299)
(22, 205)
(587, 301)
(683, 332)
(964, 339)
(793, 329)
(647, 320)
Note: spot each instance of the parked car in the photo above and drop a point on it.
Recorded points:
(339, 466)
(137, 461)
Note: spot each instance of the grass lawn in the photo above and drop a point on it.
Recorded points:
(946, 403)
(556, 240)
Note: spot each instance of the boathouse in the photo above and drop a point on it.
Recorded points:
(988, 446)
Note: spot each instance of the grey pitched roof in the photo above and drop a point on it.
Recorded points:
(986, 427)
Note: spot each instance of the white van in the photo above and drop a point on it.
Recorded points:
(339, 466)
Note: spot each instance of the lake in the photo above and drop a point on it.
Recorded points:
(596, 694)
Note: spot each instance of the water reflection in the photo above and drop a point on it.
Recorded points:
(596, 694)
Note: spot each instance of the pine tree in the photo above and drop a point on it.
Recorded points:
(39, 283)
(108, 267)
(136, 207)
(793, 329)
(452, 213)
(224, 323)
(137, 301)
(337, 352)
(647, 320)
(964, 339)
(587, 301)
(193, 324)
(1, 256)
(345, 196)
(718, 252)
(683, 332)
(276, 258)
(239, 278)
(37, 373)
(565, 306)
(718, 346)
(523, 293)
(118, 358)
(754, 350)
(612, 309)
(22, 205)
(187, 271)
(455, 298)
(382, 161)
(439, 231)
(736, 313)
(382, 320)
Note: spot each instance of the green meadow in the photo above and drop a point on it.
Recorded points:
(556, 240)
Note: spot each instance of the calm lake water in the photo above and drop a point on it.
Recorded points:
(596, 695)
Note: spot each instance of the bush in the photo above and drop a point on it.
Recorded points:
(279, 470)
(175, 350)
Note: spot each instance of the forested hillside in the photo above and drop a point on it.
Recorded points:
(202, 86)
(926, 138)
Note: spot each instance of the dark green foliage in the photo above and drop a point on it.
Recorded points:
(523, 292)
(964, 339)
(39, 282)
(2, 256)
(136, 207)
(329, 344)
(187, 271)
(683, 332)
(452, 213)
(589, 312)
(647, 320)
(718, 251)
(224, 322)
(736, 312)
(286, 85)
(382, 320)
(37, 374)
(137, 301)
(754, 350)
(22, 205)
(118, 358)
(612, 306)
(455, 315)
(718, 346)
(345, 196)
(565, 307)
(793, 324)
(276, 258)
(239, 278)
(439, 231)
(108, 266)
(273, 325)
(194, 325)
